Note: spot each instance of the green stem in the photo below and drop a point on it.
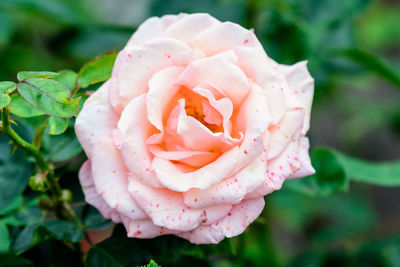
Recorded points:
(54, 186)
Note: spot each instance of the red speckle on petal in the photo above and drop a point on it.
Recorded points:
(183, 210)
(158, 205)
(246, 41)
(147, 169)
(195, 200)
(137, 232)
(236, 180)
(245, 152)
(114, 171)
(92, 134)
(129, 55)
(229, 214)
(139, 56)
(133, 211)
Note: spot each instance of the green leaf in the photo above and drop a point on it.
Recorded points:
(34, 234)
(57, 126)
(330, 176)
(4, 238)
(62, 147)
(152, 264)
(23, 75)
(97, 70)
(49, 96)
(14, 172)
(375, 64)
(23, 109)
(99, 257)
(68, 78)
(5, 89)
(383, 174)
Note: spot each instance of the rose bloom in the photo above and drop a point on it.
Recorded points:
(195, 126)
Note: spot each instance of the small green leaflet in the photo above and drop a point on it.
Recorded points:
(57, 125)
(23, 109)
(36, 233)
(5, 89)
(49, 96)
(23, 75)
(97, 70)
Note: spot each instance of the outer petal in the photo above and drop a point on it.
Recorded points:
(135, 129)
(224, 36)
(234, 224)
(152, 28)
(111, 179)
(305, 163)
(96, 119)
(279, 169)
(135, 65)
(167, 209)
(253, 119)
(231, 190)
(189, 26)
(92, 196)
(301, 84)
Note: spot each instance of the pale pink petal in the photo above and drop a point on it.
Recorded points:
(220, 73)
(301, 85)
(283, 133)
(191, 158)
(145, 228)
(167, 209)
(111, 179)
(253, 120)
(152, 28)
(173, 178)
(234, 224)
(189, 26)
(161, 90)
(304, 157)
(279, 169)
(92, 196)
(135, 65)
(224, 36)
(96, 119)
(231, 190)
(256, 65)
(196, 136)
(135, 129)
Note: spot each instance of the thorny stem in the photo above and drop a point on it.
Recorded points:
(54, 186)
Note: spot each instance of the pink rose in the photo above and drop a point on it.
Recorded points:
(194, 127)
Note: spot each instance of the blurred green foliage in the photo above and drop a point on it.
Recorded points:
(353, 51)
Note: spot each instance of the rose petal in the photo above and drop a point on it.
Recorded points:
(191, 158)
(231, 190)
(92, 196)
(96, 119)
(135, 65)
(253, 119)
(282, 134)
(305, 163)
(173, 178)
(224, 36)
(301, 84)
(189, 26)
(219, 72)
(161, 90)
(111, 181)
(279, 169)
(167, 209)
(152, 28)
(234, 224)
(135, 129)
